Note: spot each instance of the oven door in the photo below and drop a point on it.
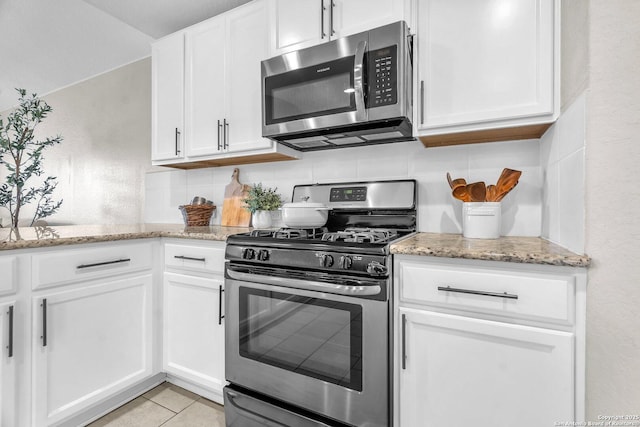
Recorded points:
(324, 352)
(315, 88)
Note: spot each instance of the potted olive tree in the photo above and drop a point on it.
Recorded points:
(21, 156)
(260, 201)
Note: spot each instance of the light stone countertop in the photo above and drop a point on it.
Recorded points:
(530, 250)
(39, 237)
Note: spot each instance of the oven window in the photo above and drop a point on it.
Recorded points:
(309, 336)
(310, 92)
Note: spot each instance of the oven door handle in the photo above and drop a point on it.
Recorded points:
(358, 81)
(308, 285)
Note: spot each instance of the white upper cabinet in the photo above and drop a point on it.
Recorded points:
(247, 45)
(167, 75)
(216, 77)
(354, 16)
(204, 87)
(486, 65)
(302, 23)
(289, 31)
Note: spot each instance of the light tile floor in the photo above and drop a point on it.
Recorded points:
(166, 405)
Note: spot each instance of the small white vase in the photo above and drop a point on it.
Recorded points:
(261, 219)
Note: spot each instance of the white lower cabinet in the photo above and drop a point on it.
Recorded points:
(8, 357)
(193, 316)
(461, 371)
(89, 343)
(193, 330)
(488, 344)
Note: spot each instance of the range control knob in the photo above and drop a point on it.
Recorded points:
(376, 269)
(345, 262)
(248, 253)
(326, 260)
(263, 255)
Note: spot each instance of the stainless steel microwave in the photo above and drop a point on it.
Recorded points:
(348, 92)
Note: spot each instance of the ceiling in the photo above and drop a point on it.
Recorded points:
(46, 45)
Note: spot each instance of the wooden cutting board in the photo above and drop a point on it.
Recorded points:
(234, 214)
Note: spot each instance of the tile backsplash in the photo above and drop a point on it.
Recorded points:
(438, 211)
(562, 160)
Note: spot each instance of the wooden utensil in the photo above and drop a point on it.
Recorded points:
(234, 214)
(477, 191)
(461, 193)
(491, 193)
(453, 183)
(508, 179)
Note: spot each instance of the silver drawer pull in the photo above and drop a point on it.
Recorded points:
(469, 291)
(189, 258)
(98, 264)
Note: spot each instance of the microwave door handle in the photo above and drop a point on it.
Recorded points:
(358, 81)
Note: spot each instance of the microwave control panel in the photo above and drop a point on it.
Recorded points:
(383, 77)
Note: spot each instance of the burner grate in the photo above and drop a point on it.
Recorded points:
(361, 235)
(291, 233)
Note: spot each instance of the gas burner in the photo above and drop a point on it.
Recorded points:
(361, 235)
(296, 233)
(261, 233)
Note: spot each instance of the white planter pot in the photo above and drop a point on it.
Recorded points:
(261, 219)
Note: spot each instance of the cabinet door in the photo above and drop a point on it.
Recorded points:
(194, 330)
(485, 61)
(354, 16)
(88, 344)
(290, 31)
(8, 356)
(205, 87)
(167, 76)
(247, 45)
(462, 372)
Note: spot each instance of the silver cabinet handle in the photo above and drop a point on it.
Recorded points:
(226, 134)
(190, 258)
(358, 83)
(220, 316)
(219, 127)
(421, 102)
(322, 9)
(44, 322)
(10, 346)
(98, 264)
(332, 5)
(177, 143)
(404, 341)
(472, 292)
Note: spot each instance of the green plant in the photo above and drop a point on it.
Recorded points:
(261, 198)
(21, 155)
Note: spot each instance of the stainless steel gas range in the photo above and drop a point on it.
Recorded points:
(309, 313)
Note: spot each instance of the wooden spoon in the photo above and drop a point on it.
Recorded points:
(491, 193)
(477, 191)
(453, 183)
(508, 179)
(461, 193)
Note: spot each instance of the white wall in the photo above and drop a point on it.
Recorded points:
(438, 211)
(101, 163)
(612, 206)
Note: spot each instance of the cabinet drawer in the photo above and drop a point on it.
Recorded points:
(8, 267)
(76, 264)
(205, 259)
(531, 295)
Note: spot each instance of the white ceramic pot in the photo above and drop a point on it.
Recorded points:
(305, 214)
(481, 220)
(261, 219)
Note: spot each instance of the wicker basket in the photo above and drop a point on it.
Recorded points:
(197, 215)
